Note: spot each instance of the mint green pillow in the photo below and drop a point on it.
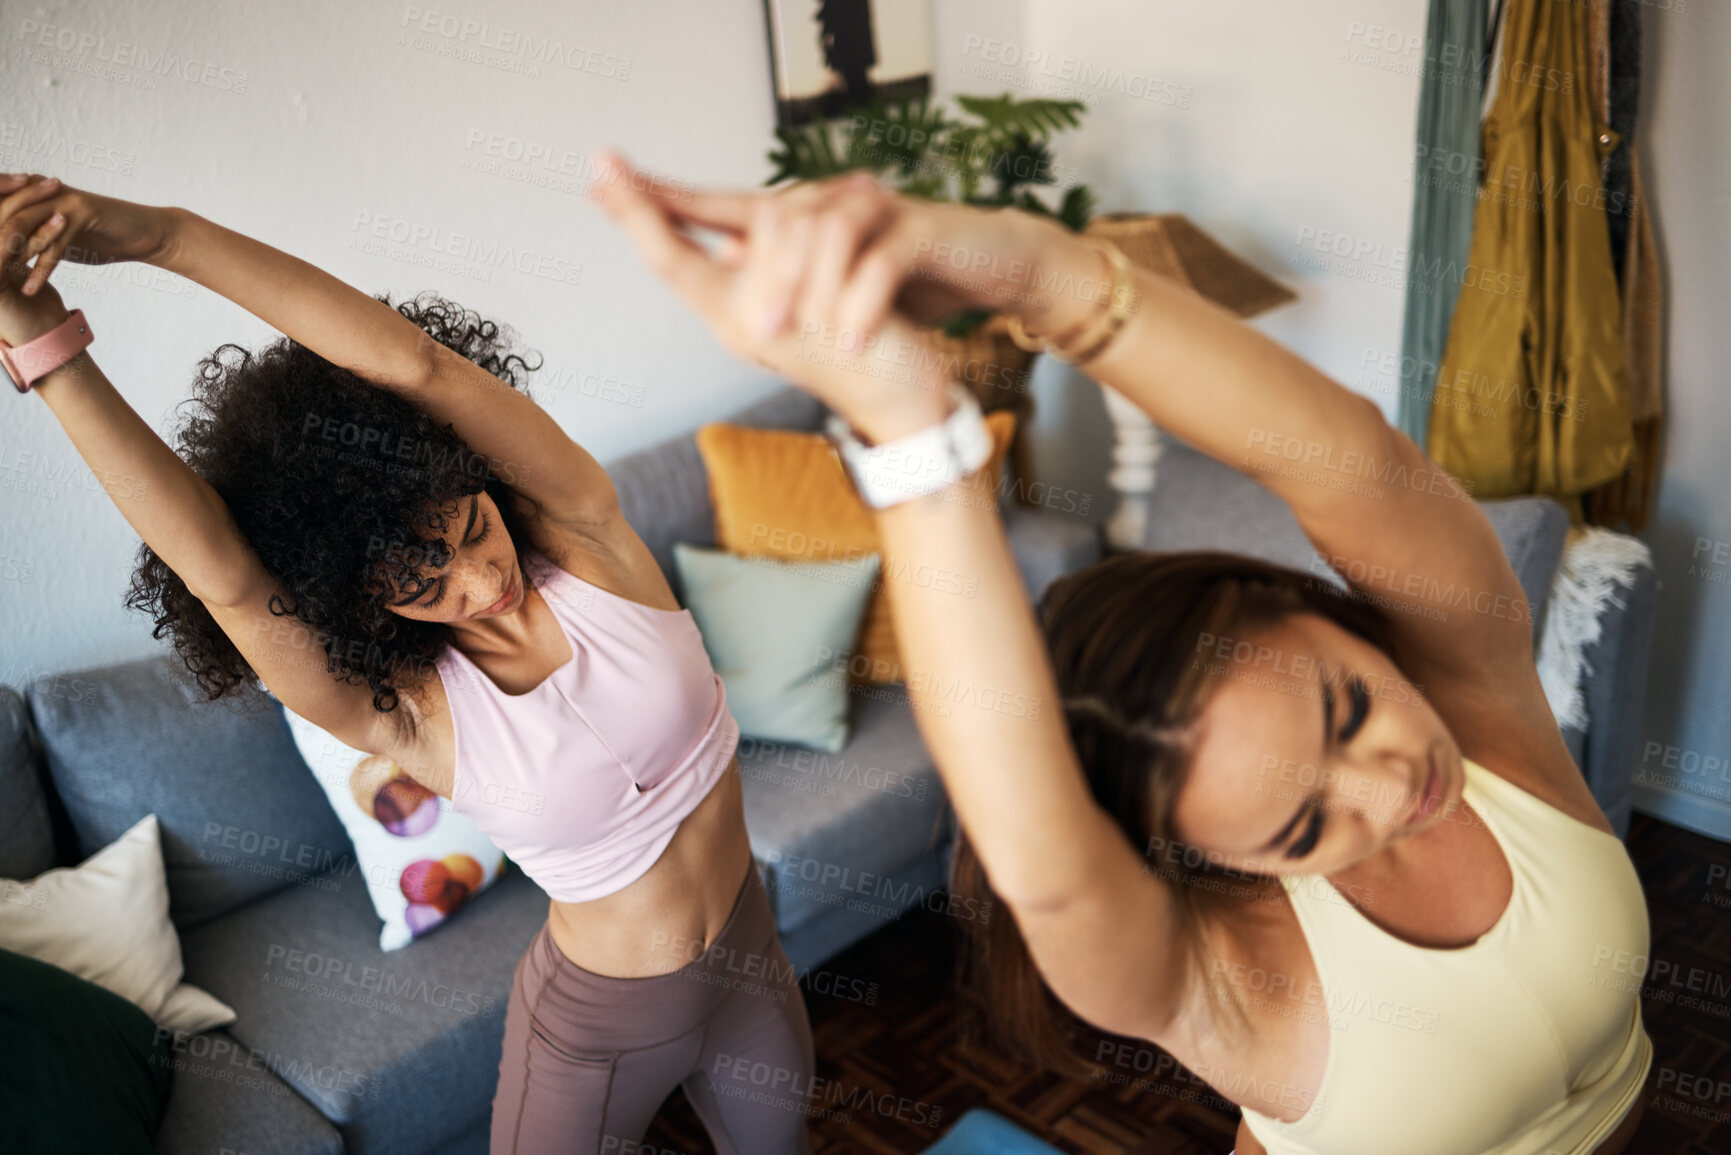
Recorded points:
(773, 630)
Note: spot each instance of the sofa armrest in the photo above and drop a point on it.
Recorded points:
(1533, 532)
(1201, 503)
(1613, 688)
(1048, 545)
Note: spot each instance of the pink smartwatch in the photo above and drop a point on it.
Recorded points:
(28, 363)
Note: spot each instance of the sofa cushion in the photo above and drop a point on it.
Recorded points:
(789, 407)
(1048, 545)
(226, 1100)
(1201, 503)
(398, 1050)
(1533, 531)
(26, 838)
(785, 494)
(771, 629)
(240, 815)
(664, 490)
(421, 860)
(829, 828)
(664, 493)
(106, 920)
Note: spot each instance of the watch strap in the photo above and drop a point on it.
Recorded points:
(926, 461)
(28, 363)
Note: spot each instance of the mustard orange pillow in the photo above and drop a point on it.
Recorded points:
(784, 493)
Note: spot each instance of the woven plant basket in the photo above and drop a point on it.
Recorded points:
(1170, 244)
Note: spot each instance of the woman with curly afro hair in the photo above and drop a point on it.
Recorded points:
(371, 519)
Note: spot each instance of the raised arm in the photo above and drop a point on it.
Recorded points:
(184, 521)
(1098, 924)
(343, 325)
(1396, 525)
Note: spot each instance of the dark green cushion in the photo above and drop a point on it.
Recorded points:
(81, 1069)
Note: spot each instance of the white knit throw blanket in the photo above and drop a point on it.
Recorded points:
(1595, 562)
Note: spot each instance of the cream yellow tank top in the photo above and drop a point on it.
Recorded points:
(1527, 1042)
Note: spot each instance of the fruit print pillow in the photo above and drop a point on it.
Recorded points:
(421, 861)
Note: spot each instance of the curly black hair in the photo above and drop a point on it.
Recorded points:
(340, 486)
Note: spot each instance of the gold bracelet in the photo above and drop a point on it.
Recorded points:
(1031, 344)
(1085, 341)
(1086, 348)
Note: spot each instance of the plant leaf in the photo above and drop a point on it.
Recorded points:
(1077, 207)
(1037, 118)
(965, 321)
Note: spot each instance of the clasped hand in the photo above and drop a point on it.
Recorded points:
(829, 282)
(45, 221)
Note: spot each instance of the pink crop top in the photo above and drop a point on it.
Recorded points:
(583, 780)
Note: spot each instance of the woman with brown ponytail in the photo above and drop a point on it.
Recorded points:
(1333, 856)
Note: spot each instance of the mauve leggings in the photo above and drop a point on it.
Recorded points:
(588, 1059)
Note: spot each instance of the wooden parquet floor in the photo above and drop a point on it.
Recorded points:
(904, 1071)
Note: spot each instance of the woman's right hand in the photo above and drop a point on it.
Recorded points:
(45, 220)
(924, 259)
(829, 282)
(22, 318)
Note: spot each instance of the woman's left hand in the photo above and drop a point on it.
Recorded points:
(46, 221)
(805, 284)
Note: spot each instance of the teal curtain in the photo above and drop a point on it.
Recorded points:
(1446, 169)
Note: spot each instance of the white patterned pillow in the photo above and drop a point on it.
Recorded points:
(421, 860)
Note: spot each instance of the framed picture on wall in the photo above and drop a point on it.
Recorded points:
(827, 55)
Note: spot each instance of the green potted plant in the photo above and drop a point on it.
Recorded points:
(996, 155)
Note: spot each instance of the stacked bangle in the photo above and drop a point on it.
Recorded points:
(1085, 341)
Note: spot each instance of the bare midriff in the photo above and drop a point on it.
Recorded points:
(665, 919)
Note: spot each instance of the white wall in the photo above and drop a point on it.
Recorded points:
(333, 115)
(1283, 130)
(1685, 141)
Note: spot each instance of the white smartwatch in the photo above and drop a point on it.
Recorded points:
(926, 461)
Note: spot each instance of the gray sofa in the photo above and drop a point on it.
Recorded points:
(1199, 503)
(339, 1046)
